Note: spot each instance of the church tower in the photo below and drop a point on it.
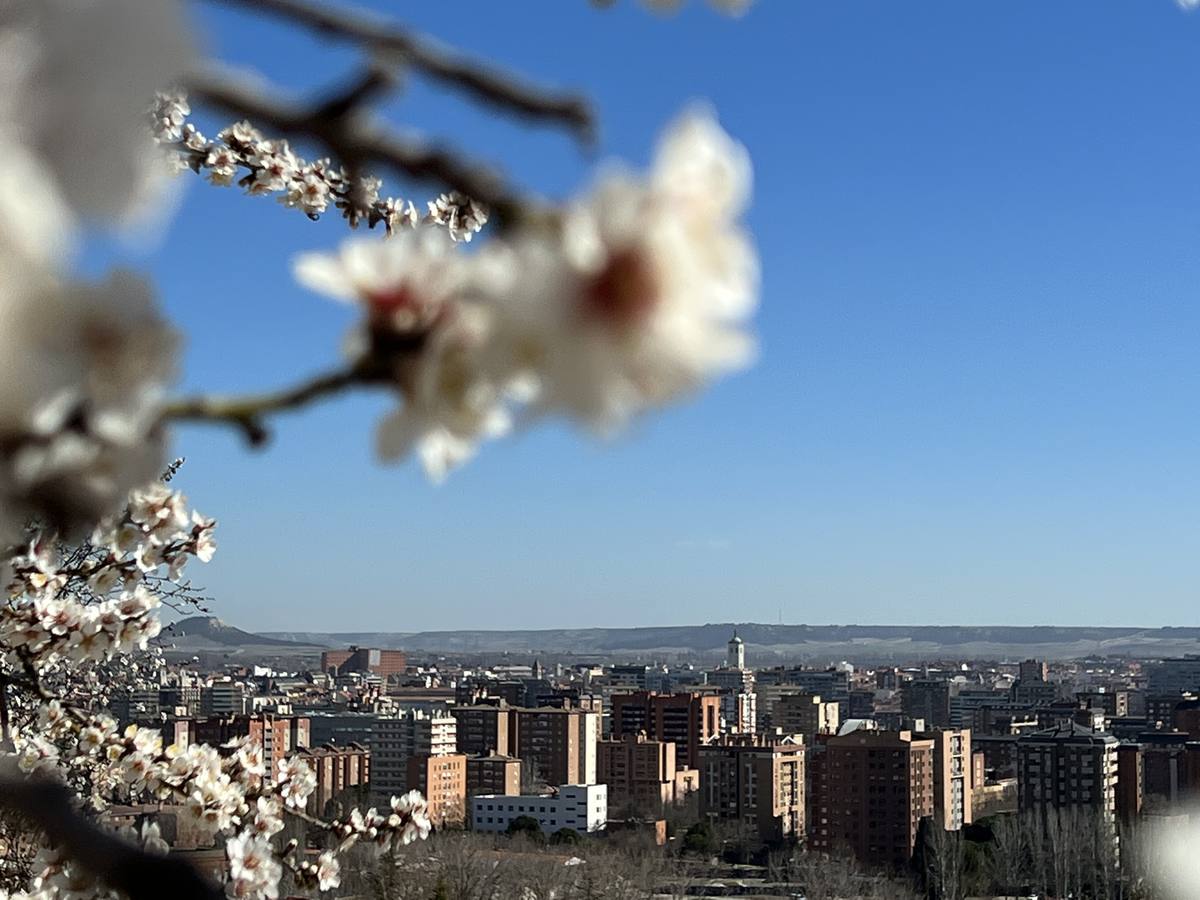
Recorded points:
(735, 657)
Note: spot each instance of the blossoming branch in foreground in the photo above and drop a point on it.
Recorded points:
(68, 606)
(639, 298)
(272, 168)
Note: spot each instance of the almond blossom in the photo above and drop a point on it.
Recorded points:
(643, 297)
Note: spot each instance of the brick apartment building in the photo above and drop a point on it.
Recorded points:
(870, 791)
(559, 744)
(363, 660)
(642, 774)
(756, 782)
(493, 774)
(688, 720)
(395, 740)
(800, 712)
(343, 776)
(442, 780)
(1068, 766)
(485, 729)
(556, 744)
(953, 777)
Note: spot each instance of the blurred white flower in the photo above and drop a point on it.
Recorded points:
(328, 871)
(75, 94)
(253, 869)
(82, 370)
(451, 401)
(644, 297)
(403, 284)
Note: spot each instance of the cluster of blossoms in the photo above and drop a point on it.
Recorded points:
(227, 791)
(94, 604)
(638, 297)
(242, 155)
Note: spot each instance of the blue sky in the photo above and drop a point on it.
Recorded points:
(976, 400)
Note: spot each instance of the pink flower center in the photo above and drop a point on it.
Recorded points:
(624, 291)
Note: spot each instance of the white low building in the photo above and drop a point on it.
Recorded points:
(583, 807)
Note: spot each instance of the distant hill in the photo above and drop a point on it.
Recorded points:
(809, 643)
(208, 634)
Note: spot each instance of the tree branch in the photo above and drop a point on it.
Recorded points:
(247, 412)
(471, 76)
(130, 870)
(356, 142)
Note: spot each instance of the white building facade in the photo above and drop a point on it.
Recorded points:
(582, 807)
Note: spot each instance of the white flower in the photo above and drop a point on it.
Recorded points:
(642, 301)
(398, 213)
(275, 166)
(295, 781)
(268, 817)
(82, 371)
(310, 192)
(328, 871)
(206, 545)
(152, 839)
(253, 869)
(168, 115)
(240, 135)
(403, 284)
(250, 757)
(87, 71)
(137, 602)
(161, 512)
(222, 165)
(451, 402)
(462, 217)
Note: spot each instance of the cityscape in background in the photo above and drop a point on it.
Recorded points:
(840, 758)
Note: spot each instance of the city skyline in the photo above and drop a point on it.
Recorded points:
(976, 339)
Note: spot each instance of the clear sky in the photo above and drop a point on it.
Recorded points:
(979, 226)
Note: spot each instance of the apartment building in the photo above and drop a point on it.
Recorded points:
(928, 699)
(442, 780)
(1067, 766)
(755, 782)
(800, 712)
(870, 791)
(485, 729)
(688, 720)
(223, 698)
(559, 745)
(493, 774)
(343, 776)
(641, 774)
(363, 661)
(395, 740)
(953, 777)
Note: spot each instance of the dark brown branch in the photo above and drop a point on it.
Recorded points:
(471, 76)
(132, 871)
(248, 412)
(356, 143)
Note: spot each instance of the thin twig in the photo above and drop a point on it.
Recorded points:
(130, 870)
(247, 412)
(473, 77)
(356, 142)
